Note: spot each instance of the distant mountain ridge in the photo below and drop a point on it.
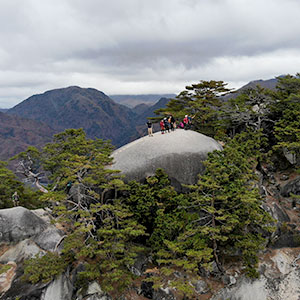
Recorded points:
(72, 107)
(17, 133)
(141, 118)
(75, 107)
(134, 100)
(140, 108)
(266, 84)
(149, 112)
(37, 118)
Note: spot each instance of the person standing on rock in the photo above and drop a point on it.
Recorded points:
(166, 125)
(150, 128)
(162, 126)
(15, 198)
(170, 123)
(190, 119)
(173, 122)
(186, 122)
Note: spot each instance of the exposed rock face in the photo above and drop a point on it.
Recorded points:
(19, 223)
(94, 292)
(156, 294)
(291, 187)
(48, 239)
(279, 280)
(59, 289)
(289, 238)
(284, 236)
(278, 213)
(245, 290)
(22, 250)
(24, 234)
(201, 287)
(7, 277)
(179, 153)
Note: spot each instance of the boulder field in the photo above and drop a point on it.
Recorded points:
(180, 153)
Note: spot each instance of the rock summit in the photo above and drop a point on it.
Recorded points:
(180, 153)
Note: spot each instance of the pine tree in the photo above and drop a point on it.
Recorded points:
(100, 232)
(9, 184)
(227, 217)
(157, 206)
(250, 109)
(202, 102)
(286, 114)
(287, 128)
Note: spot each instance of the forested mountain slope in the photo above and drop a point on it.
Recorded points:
(17, 133)
(76, 107)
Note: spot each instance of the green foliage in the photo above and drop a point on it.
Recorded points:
(226, 214)
(158, 207)
(73, 157)
(44, 268)
(287, 128)
(4, 268)
(286, 114)
(100, 230)
(109, 222)
(109, 251)
(287, 85)
(201, 101)
(31, 152)
(9, 184)
(250, 109)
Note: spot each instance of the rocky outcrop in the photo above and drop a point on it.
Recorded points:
(292, 186)
(279, 280)
(179, 153)
(22, 250)
(24, 234)
(59, 289)
(278, 213)
(156, 294)
(94, 292)
(7, 276)
(19, 223)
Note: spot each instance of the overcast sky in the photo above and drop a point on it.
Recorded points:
(143, 46)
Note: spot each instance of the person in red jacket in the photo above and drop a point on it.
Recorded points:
(186, 122)
(162, 126)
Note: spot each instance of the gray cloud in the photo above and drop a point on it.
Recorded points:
(139, 46)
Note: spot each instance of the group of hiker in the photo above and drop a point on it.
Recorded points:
(169, 123)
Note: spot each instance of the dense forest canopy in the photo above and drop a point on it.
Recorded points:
(108, 222)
